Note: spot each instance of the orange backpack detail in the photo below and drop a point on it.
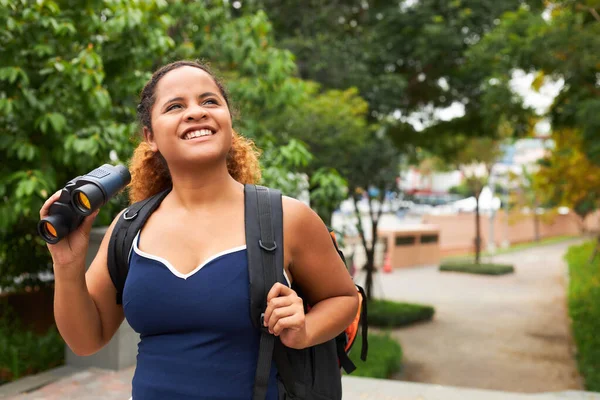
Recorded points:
(346, 339)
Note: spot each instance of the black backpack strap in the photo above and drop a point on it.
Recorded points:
(121, 240)
(365, 325)
(345, 361)
(264, 243)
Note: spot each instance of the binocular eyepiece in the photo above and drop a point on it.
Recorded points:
(81, 197)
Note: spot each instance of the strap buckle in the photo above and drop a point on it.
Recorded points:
(269, 246)
(128, 218)
(263, 328)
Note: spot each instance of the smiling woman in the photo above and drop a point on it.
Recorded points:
(149, 171)
(187, 287)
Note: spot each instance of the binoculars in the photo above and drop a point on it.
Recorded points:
(81, 197)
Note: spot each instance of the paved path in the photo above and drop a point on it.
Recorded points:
(96, 384)
(507, 332)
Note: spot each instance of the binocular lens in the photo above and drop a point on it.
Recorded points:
(49, 229)
(83, 201)
(53, 228)
(87, 198)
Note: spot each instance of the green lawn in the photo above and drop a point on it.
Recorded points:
(584, 310)
(384, 359)
(511, 249)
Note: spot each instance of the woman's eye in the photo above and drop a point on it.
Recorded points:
(173, 106)
(211, 101)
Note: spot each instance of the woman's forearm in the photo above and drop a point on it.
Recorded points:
(329, 318)
(75, 312)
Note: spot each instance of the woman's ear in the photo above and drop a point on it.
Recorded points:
(149, 136)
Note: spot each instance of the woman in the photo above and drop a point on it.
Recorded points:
(187, 288)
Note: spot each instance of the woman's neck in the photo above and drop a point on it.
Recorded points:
(195, 190)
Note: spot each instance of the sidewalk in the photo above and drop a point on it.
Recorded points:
(95, 384)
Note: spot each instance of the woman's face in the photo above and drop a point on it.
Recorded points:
(191, 122)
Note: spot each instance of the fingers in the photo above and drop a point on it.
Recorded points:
(279, 290)
(285, 309)
(294, 322)
(86, 225)
(48, 203)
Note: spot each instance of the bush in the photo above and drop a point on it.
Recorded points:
(584, 310)
(22, 352)
(482, 269)
(384, 359)
(391, 314)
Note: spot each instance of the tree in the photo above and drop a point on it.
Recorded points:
(559, 43)
(527, 196)
(329, 123)
(567, 177)
(402, 56)
(374, 164)
(70, 75)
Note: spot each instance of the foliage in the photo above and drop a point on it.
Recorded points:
(329, 123)
(567, 177)
(562, 44)
(278, 162)
(394, 53)
(70, 75)
(475, 160)
(462, 189)
(481, 269)
(392, 314)
(384, 359)
(371, 172)
(23, 352)
(584, 310)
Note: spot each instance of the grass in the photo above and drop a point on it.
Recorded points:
(391, 314)
(512, 249)
(481, 269)
(584, 310)
(384, 358)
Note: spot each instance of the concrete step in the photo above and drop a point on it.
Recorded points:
(378, 389)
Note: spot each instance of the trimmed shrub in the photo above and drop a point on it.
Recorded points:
(23, 352)
(482, 269)
(391, 314)
(384, 359)
(584, 310)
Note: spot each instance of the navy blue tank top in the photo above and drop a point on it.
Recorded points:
(197, 340)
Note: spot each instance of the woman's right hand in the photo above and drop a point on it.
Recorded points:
(70, 252)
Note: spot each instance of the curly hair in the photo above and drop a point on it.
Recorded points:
(149, 170)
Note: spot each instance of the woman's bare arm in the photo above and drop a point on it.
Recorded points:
(318, 269)
(85, 308)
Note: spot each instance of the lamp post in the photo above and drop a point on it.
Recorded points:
(491, 245)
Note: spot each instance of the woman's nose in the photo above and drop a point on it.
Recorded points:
(195, 112)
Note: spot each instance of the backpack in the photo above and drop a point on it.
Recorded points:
(311, 373)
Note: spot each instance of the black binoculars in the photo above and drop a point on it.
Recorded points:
(81, 197)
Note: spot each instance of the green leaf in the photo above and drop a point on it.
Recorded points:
(86, 82)
(57, 121)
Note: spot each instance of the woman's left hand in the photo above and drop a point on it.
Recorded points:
(285, 316)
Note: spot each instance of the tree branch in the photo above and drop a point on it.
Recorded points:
(594, 13)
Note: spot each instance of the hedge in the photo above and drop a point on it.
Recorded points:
(482, 269)
(391, 314)
(584, 310)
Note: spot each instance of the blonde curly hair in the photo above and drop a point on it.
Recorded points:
(149, 171)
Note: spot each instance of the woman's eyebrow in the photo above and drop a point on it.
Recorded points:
(207, 94)
(172, 100)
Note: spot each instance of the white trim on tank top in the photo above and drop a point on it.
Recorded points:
(178, 274)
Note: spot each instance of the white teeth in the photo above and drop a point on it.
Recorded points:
(195, 134)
